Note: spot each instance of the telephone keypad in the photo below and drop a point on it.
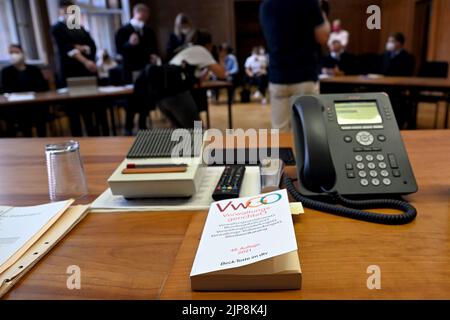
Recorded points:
(377, 172)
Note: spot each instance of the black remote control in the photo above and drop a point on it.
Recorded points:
(230, 182)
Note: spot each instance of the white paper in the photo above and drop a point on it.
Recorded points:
(110, 89)
(26, 96)
(19, 225)
(107, 202)
(243, 231)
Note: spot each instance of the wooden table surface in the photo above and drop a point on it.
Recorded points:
(412, 82)
(149, 255)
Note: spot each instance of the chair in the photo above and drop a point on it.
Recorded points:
(435, 69)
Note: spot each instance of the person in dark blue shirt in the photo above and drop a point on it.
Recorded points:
(293, 29)
(396, 60)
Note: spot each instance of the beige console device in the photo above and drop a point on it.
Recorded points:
(150, 170)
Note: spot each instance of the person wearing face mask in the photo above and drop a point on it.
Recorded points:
(396, 60)
(21, 77)
(339, 61)
(337, 33)
(136, 42)
(182, 35)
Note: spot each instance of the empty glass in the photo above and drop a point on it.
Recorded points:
(65, 170)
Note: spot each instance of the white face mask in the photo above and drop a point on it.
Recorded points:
(16, 58)
(390, 46)
(335, 55)
(185, 31)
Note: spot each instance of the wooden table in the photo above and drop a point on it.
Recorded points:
(149, 255)
(53, 97)
(419, 83)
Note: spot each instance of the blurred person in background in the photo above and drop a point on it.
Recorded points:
(338, 34)
(21, 77)
(256, 73)
(136, 42)
(293, 29)
(182, 35)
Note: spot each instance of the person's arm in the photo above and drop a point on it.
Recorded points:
(40, 81)
(322, 32)
(320, 23)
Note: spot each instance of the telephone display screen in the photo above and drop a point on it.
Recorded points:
(357, 112)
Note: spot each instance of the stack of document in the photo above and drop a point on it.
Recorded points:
(27, 234)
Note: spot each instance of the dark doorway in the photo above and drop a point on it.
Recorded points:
(248, 29)
(421, 31)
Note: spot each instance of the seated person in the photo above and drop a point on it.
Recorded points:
(231, 63)
(256, 73)
(172, 86)
(396, 61)
(339, 61)
(21, 77)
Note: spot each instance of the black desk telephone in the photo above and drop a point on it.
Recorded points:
(348, 148)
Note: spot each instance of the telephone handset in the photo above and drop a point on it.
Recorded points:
(349, 146)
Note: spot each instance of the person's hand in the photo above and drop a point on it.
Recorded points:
(134, 39)
(81, 48)
(155, 60)
(90, 66)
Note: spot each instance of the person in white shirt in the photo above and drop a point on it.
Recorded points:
(196, 61)
(256, 73)
(338, 34)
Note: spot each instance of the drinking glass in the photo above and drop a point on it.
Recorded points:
(66, 178)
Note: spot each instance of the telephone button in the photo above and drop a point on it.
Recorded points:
(387, 181)
(371, 165)
(381, 138)
(350, 174)
(364, 182)
(358, 158)
(362, 174)
(380, 157)
(375, 182)
(376, 149)
(396, 173)
(360, 166)
(369, 157)
(382, 165)
(392, 161)
(364, 138)
(384, 173)
(349, 166)
(358, 149)
(348, 139)
(373, 173)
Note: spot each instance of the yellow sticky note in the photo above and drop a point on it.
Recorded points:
(296, 208)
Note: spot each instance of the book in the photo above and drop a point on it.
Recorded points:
(248, 244)
(28, 233)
